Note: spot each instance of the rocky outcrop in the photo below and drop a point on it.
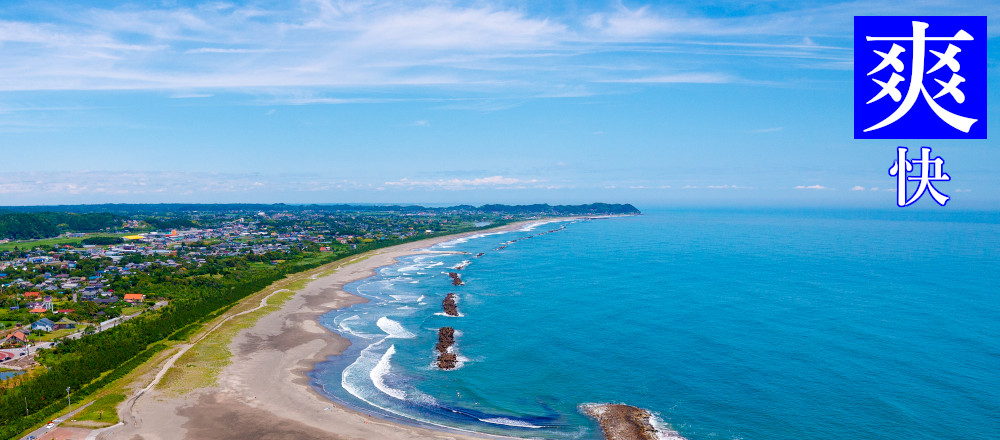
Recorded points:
(447, 361)
(455, 279)
(624, 422)
(450, 305)
(510, 242)
(446, 339)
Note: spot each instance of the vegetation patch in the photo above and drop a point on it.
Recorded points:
(103, 411)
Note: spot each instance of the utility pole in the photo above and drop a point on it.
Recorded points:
(68, 401)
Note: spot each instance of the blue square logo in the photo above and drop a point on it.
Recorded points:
(920, 77)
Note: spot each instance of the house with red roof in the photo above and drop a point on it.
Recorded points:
(15, 339)
(133, 298)
(32, 294)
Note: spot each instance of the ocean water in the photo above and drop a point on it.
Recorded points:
(776, 325)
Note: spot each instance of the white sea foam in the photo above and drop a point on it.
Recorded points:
(345, 326)
(509, 422)
(381, 370)
(354, 388)
(451, 243)
(460, 314)
(408, 269)
(421, 298)
(532, 226)
(394, 329)
(663, 430)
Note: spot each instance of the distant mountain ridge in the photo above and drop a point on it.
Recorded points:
(31, 225)
(33, 222)
(128, 208)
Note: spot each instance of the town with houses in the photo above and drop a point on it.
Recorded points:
(90, 292)
(54, 291)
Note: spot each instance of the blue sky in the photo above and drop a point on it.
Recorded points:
(718, 103)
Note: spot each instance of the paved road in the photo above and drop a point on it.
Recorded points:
(16, 353)
(38, 432)
(113, 322)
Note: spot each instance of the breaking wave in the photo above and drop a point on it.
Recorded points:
(394, 329)
(381, 370)
(510, 422)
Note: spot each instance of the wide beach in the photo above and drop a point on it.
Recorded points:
(264, 392)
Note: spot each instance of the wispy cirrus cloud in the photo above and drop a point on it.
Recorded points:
(358, 44)
(497, 182)
(679, 78)
(178, 183)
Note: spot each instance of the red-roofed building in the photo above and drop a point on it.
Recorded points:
(32, 294)
(17, 338)
(133, 298)
(38, 310)
(64, 311)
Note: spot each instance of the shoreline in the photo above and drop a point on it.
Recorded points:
(265, 390)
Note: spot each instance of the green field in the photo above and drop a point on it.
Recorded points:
(132, 309)
(51, 336)
(49, 242)
(102, 410)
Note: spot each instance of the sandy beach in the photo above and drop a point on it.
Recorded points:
(264, 392)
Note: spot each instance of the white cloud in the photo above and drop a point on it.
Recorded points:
(86, 182)
(729, 187)
(858, 188)
(679, 78)
(499, 182)
(191, 95)
(224, 50)
(817, 187)
(359, 44)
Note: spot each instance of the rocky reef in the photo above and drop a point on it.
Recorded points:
(450, 305)
(624, 422)
(455, 279)
(446, 339)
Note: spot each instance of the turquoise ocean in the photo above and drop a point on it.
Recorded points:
(726, 324)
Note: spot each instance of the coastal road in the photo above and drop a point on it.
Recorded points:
(41, 431)
(113, 322)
